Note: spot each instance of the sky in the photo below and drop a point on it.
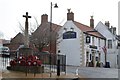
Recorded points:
(11, 12)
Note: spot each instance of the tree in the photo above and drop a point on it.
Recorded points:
(32, 26)
(40, 34)
(41, 37)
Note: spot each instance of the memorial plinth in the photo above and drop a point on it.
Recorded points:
(25, 51)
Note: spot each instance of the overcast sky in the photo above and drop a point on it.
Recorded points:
(11, 12)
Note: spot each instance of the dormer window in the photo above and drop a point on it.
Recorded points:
(72, 28)
(65, 29)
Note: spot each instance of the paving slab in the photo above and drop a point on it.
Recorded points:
(7, 75)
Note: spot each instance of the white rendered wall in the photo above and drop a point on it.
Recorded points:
(111, 53)
(70, 47)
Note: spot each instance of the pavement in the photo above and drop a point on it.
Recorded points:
(13, 74)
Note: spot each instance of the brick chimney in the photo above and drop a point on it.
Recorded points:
(44, 18)
(92, 22)
(70, 15)
(107, 24)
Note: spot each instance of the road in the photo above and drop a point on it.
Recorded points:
(97, 73)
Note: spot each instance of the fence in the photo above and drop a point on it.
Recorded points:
(49, 62)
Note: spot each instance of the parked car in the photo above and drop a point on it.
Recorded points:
(5, 51)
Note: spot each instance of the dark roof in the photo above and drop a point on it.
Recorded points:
(88, 30)
(44, 29)
(118, 37)
(19, 38)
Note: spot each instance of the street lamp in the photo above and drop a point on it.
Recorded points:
(55, 6)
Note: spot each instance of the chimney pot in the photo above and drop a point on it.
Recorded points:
(91, 17)
(69, 10)
(107, 24)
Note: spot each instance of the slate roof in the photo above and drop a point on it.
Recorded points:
(19, 38)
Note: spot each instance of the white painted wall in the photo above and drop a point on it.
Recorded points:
(99, 48)
(75, 49)
(111, 53)
(70, 47)
(104, 30)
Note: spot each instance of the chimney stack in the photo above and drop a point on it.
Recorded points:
(107, 24)
(92, 22)
(113, 30)
(44, 18)
(70, 15)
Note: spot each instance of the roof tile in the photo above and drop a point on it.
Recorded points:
(88, 30)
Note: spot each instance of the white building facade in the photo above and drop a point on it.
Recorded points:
(94, 50)
(111, 42)
(82, 45)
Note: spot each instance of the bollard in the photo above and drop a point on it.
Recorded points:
(58, 67)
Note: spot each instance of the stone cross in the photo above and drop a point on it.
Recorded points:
(26, 42)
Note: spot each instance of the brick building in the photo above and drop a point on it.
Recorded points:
(15, 42)
(41, 37)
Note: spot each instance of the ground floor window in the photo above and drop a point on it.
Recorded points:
(87, 58)
(90, 57)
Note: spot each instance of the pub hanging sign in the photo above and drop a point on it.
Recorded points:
(69, 35)
(87, 39)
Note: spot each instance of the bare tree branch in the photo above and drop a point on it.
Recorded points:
(21, 27)
(36, 22)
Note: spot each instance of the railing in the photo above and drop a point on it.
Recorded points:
(45, 58)
(46, 65)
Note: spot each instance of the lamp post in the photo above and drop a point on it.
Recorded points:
(55, 6)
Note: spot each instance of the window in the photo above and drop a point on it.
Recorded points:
(99, 42)
(58, 51)
(87, 39)
(92, 40)
(109, 44)
(87, 56)
(90, 56)
(96, 58)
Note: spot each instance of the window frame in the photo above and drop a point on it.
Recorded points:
(109, 44)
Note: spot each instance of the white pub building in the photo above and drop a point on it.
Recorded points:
(111, 42)
(82, 44)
